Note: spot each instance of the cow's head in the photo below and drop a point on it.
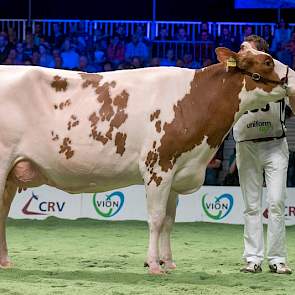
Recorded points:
(265, 79)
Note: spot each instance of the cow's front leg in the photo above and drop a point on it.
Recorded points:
(157, 198)
(165, 244)
(5, 203)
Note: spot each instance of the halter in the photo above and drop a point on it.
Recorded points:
(258, 78)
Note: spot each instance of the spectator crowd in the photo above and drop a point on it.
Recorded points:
(78, 50)
(96, 52)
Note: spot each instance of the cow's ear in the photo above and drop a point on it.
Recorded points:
(224, 55)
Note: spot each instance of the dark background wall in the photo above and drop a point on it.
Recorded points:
(212, 10)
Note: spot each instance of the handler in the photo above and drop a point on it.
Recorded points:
(262, 149)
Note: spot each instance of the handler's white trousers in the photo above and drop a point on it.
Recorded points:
(252, 159)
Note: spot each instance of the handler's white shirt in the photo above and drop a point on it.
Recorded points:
(263, 123)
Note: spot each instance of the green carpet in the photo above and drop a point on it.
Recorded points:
(95, 257)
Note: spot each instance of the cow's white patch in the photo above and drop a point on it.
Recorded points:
(158, 82)
(246, 46)
(281, 71)
(257, 98)
(190, 168)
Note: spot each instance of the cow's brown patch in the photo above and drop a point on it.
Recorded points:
(100, 137)
(55, 137)
(62, 105)
(91, 79)
(158, 126)
(120, 141)
(119, 118)
(203, 112)
(121, 100)
(110, 109)
(156, 179)
(151, 159)
(73, 122)
(93, 118)
(150, 162)
(66, 148)
(155, 115)
(106, 110)
(65, 104)
(59, 84)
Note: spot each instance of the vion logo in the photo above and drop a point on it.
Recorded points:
(218, 207)
(109, 205)
(42, 208)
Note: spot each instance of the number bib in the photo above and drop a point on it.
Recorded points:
(261, 123)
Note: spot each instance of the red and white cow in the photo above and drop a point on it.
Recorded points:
(84, 132)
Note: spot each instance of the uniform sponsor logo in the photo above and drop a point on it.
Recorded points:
(108, 205)
(36, 207)
(263, 126)
(217, 208)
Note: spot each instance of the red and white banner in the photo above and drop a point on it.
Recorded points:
(209, 204)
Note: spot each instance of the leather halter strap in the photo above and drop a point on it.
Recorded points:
(258, 78)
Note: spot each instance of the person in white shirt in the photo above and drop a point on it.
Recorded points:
(262, 149)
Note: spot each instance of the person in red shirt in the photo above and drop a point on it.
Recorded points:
(116, 50)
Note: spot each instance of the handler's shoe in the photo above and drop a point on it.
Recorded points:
(251, 267)
(280, 268)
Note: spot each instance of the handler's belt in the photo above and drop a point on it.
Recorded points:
(267, 139)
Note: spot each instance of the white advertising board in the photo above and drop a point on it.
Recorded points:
(209, 204)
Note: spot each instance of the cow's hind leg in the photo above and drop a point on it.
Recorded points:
(165, 245)
(157, 198)
(5, 203)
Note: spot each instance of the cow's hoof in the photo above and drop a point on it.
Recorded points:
(169, 265)
(155, 268)
(5, 264)
(157, 271)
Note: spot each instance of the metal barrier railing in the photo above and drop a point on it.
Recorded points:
(199, 50)
(238, 28)
(18, 25)
(191, 28)
(108, 26)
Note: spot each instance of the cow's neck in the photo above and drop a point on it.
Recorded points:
(216, 95)
(206, 112)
